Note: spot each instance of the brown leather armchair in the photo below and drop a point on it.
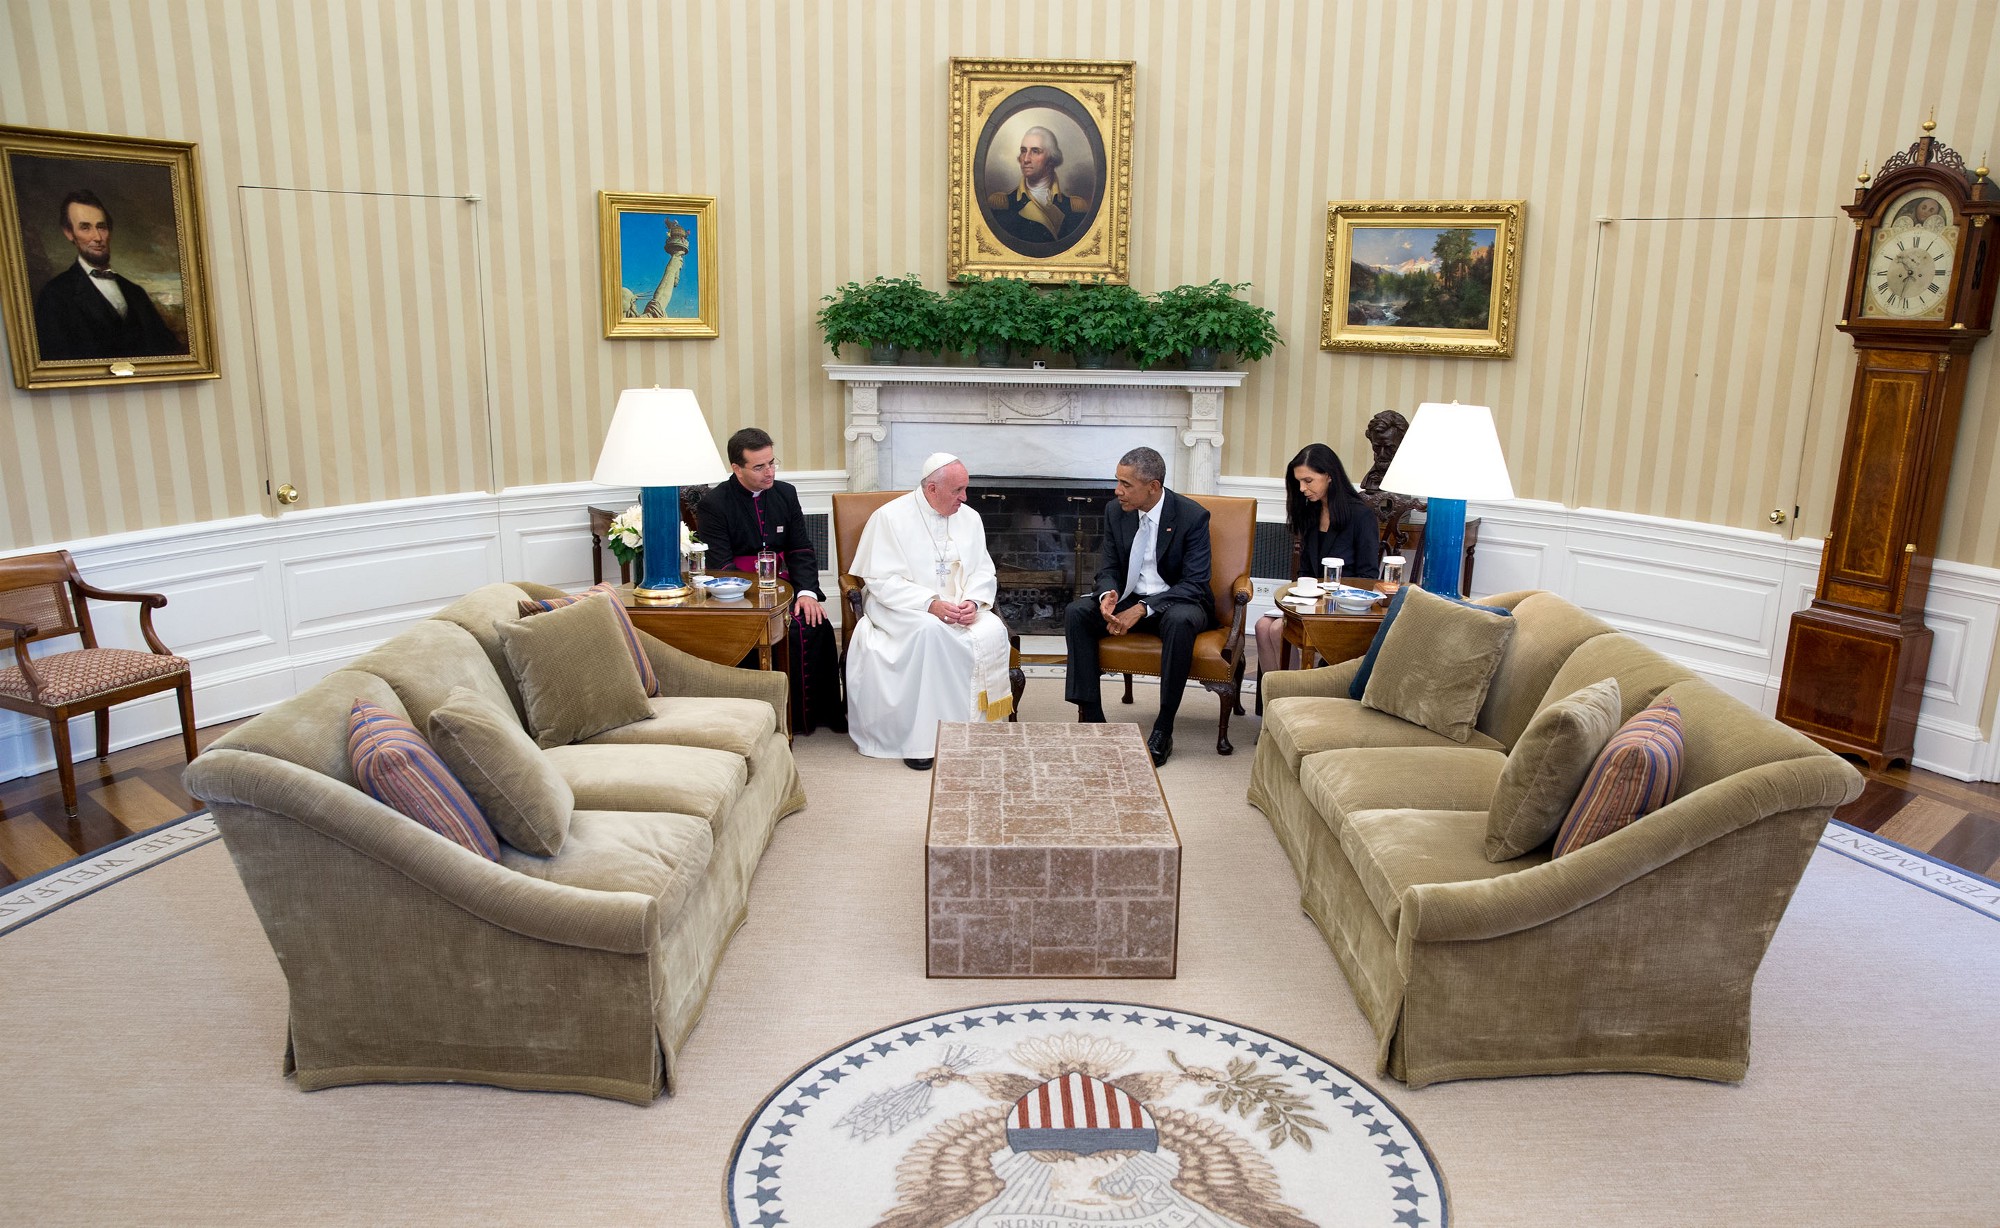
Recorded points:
(41, 597)
(1219, 651)
(851, 511)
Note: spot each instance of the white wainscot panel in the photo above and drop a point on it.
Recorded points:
(1503, 565)
(545, 533)
(355, 591)
(1963, 612)
(560, 556)
(219, 615)
(1699, 607)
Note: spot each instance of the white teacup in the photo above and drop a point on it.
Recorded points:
(1305, 586)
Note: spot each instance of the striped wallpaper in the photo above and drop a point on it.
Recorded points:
(1678, 360)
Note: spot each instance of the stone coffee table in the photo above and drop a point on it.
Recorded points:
(1050, 853)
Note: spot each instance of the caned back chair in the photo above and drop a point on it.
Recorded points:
(1218, 652)
(42, 597)
(851, 511)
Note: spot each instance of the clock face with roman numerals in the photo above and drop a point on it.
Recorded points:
(1915, 253)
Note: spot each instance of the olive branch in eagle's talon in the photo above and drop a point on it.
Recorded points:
(1245, 1090)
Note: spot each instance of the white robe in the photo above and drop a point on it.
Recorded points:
(906, 669)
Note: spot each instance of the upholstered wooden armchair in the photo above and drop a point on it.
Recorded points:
(851, 511)
(41, 597)
(1219, 651)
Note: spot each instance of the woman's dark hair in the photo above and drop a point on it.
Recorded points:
(1341, 501)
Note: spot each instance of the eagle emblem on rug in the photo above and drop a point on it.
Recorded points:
(1077, 1139)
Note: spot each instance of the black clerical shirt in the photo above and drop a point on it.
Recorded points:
(735, 524)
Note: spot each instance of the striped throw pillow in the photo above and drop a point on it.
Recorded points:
(396, 767)
(647, 678)
(1636, 774)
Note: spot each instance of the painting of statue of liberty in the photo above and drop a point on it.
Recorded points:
(659, 265)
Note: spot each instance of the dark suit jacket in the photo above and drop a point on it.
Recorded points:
(72, 320)
(1182, 547)
(1007, 206)
(726, 519)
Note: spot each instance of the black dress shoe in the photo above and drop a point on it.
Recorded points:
(1089, 716)
(1160, 746)
(918, 765)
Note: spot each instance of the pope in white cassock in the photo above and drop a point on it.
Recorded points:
(929, 647)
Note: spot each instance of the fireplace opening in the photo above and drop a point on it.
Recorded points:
(1045, 535)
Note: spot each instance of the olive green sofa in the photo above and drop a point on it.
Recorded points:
(1634, 953)
(410, 958)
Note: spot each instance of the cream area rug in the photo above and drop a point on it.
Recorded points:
(144, 1028)
(1060, 1113)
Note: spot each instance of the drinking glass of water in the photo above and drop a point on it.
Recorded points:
(767, 569)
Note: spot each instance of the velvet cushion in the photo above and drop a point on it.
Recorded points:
(520, 791)
(1437, 661)
(689, 780)
(1359, 686)
(717, 722)
(1635, 775)
(541, 605)
(576, 673)
(1547, 767)
(664, 856)
(396, 767)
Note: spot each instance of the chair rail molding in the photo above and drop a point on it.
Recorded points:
(1028, 422)
(264, 607)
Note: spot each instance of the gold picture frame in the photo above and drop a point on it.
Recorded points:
(651, 242)
(1440, 277)
(103, 260)
(1080, 114)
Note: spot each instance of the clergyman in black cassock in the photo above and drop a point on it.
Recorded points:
(753, 511)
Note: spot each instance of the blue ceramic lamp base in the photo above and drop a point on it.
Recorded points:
(1444, 545)
(660, 521)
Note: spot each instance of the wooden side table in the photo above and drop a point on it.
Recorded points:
(1320, 630)
(721, 631)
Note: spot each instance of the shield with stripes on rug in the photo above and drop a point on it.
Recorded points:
(1063, 1114)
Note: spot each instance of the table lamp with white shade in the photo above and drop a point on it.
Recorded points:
(659, 442)
(1451, 454)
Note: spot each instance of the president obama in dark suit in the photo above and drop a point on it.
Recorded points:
(1154, 580)
(90, 311)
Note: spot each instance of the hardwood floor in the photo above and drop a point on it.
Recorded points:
(1951, 820)
(141, 788)
(135, 789)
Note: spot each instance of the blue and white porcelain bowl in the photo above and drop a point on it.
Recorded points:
(725, 588)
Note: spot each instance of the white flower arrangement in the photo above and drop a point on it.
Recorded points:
(627, 535)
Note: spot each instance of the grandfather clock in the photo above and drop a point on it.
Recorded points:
(1919, 298)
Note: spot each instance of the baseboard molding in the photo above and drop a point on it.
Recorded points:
(264, 607)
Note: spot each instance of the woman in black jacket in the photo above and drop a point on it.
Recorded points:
(1328, 520)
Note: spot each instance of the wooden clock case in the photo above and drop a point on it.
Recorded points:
(1855, 659)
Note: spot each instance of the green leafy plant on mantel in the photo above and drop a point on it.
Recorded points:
(1091, 321)
(991, 314)
(898, 313)
(1200, 322)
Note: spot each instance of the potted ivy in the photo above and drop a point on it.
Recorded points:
(1091, 321)
(888, 315)
(991, 315)
(1198, 323)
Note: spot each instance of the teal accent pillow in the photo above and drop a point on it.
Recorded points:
(1359, 686)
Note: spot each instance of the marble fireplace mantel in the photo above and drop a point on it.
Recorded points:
(1023, 422)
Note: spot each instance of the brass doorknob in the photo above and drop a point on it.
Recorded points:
(1777, 516)
(288, 494)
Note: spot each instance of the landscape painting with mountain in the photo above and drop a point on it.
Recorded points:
(1421, 277)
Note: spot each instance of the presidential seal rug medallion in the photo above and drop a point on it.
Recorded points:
(1078, 1115)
